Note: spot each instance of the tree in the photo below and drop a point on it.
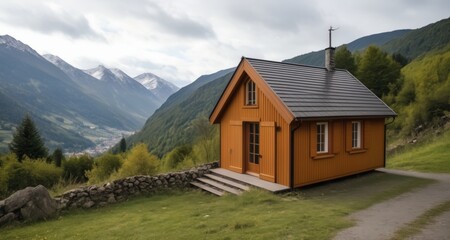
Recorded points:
(123, 145)
(400, 59)
(176, 157)
(139, 162)
(57, 157)
(75, 168)
(104, 166)
(205, 133)
(345, 60)
(27, 141)
(377, 70)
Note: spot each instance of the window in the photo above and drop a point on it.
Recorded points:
(254, 143)
(250, 93)
(322, 137)
(356, 134)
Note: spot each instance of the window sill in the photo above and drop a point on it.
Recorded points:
(323, 156)
(356, 151)
(250, 106)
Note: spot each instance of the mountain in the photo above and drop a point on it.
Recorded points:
(169, 126)
(126, 93)
(379, 39)
(158, 86)
(120, 92)
(71, 109)
(422, 40)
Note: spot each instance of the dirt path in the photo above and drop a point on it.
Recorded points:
(381, 220)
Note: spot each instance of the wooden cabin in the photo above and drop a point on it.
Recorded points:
(296, 125)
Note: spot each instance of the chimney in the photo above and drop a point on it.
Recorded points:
(329, 58)
(329, 53)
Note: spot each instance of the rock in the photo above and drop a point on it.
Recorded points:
(42, 205)
(8, 218)
(88, 204)
(111, 198)
(34, 203)
(2, 208)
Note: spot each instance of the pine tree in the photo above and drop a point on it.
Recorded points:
(123, 145)
(345, 60)
(377, 70)
(27, 141)
(57, 157)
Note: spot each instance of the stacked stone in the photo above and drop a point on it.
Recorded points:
(121, 189)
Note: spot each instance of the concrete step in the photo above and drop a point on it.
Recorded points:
(219, 185)
(228, 182)
(208, 188)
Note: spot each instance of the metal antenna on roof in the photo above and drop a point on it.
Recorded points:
(330, 30)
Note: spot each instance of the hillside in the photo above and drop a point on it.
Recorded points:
(168, 127)
(32, 84)
(424, 93)
(72, 109)
(379, 39)
(419, 41)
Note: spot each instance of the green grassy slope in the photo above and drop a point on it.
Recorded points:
(314, 213)
(430, 156)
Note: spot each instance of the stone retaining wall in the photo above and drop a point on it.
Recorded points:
(121, 189)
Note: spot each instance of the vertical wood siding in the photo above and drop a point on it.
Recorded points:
(341, 160)
(274, 139)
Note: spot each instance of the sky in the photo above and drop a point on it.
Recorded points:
(179, 40)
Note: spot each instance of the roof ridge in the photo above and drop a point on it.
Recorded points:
(290, 63)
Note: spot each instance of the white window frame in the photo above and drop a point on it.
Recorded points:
(325, 138)
(250, 93)
(356, 134)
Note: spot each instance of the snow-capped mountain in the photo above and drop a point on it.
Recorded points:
(158, 86)
(17, 45)
(113, 87)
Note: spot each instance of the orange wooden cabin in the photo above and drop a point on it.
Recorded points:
(296, 125)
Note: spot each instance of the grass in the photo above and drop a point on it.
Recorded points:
(417, 225)
(317, 212)
(431, 156)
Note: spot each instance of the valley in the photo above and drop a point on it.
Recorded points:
(73, 109)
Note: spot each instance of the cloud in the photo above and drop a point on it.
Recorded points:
(47, 19)
(180, 25)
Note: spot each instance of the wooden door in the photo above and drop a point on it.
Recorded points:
(267, 153)
(252, 148)
(236, 147)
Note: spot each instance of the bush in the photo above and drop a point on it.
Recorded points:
(74, 168)
(139, 162)
(17, 175)
(173, 160)
(104, 166)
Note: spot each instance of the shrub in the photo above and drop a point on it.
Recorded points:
(139, 162)
(75, 168)
(17, 175)
(174, 158)
(104, 166)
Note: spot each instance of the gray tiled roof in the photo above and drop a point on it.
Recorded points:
(314, 92)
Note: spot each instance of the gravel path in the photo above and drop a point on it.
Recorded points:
(440, 229)
(380, 221)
